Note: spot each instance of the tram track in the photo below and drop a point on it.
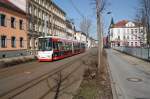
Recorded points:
(63, 81)
(27, 85)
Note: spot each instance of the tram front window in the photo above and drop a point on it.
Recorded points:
(45, 44)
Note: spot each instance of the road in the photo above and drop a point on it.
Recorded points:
(35, 80)
(131, 76)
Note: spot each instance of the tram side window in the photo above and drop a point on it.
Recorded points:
(65, 46)
(70, 48)
(55, 45)
(50, 44)
(60, 45)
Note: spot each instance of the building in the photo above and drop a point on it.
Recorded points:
(127, 33)
(13, 30)
(70, 30)
(46, 18)
(80, 36)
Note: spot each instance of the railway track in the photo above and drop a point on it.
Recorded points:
(11, 94)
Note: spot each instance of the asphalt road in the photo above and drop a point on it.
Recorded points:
(131, 76)
(36, 80)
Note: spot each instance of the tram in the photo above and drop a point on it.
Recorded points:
(54, 48)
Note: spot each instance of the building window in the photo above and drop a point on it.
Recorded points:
(118, 37)
(124, 37)
(131, 43)
(136, 31)
(135, 37)
(135, 43)
(128, 37)
(12, 22)
(13, 41)
(21, 24)
(128, 31)
(132, 31)
(2, 20)
(3, 41)
(21, 42)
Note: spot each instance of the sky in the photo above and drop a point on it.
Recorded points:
(121, 10)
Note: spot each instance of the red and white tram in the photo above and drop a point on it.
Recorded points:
(54, 48)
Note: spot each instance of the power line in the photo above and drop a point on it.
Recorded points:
(76, 8)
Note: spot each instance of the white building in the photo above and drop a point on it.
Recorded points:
(70, 30)
(127, 33)
(80, 36)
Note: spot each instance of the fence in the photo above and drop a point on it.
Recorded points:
(143, 53)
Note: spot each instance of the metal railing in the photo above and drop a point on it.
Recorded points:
(143, 53)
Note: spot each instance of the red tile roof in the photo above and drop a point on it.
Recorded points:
(121, 24)
(7, 4)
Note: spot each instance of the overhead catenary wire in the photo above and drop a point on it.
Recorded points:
(76, 8)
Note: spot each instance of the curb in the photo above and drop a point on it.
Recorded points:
(114, 90)
(7, 62)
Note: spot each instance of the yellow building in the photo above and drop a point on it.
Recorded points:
(13, 30)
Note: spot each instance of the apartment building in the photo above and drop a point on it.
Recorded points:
(70, 30)
(46, 18)
(127, 33)
(13, 30)
(80, 36)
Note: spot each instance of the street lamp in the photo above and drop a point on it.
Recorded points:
(109, 44)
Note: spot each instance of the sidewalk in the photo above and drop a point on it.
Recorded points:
(6, 62)
(145, 65)
(130, 75)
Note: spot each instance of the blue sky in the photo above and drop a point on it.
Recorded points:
(121, 9)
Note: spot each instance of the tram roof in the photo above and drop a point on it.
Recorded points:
(56, 37)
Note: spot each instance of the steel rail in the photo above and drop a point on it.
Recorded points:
(27, 85)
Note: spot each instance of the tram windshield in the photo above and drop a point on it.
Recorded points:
(45, 44)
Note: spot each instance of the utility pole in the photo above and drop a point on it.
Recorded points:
(99, 33)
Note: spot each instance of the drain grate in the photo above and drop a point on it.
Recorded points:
(135, 80)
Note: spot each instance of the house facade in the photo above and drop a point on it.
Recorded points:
(70, 30)
(80, 36)
(127, 33)
(46, 18)
(13, 30)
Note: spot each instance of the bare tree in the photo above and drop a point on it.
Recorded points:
(85, 26)
(144, 16)
(100, 7)
(140, 23)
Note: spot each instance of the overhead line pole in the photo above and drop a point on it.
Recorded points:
(99, 33)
